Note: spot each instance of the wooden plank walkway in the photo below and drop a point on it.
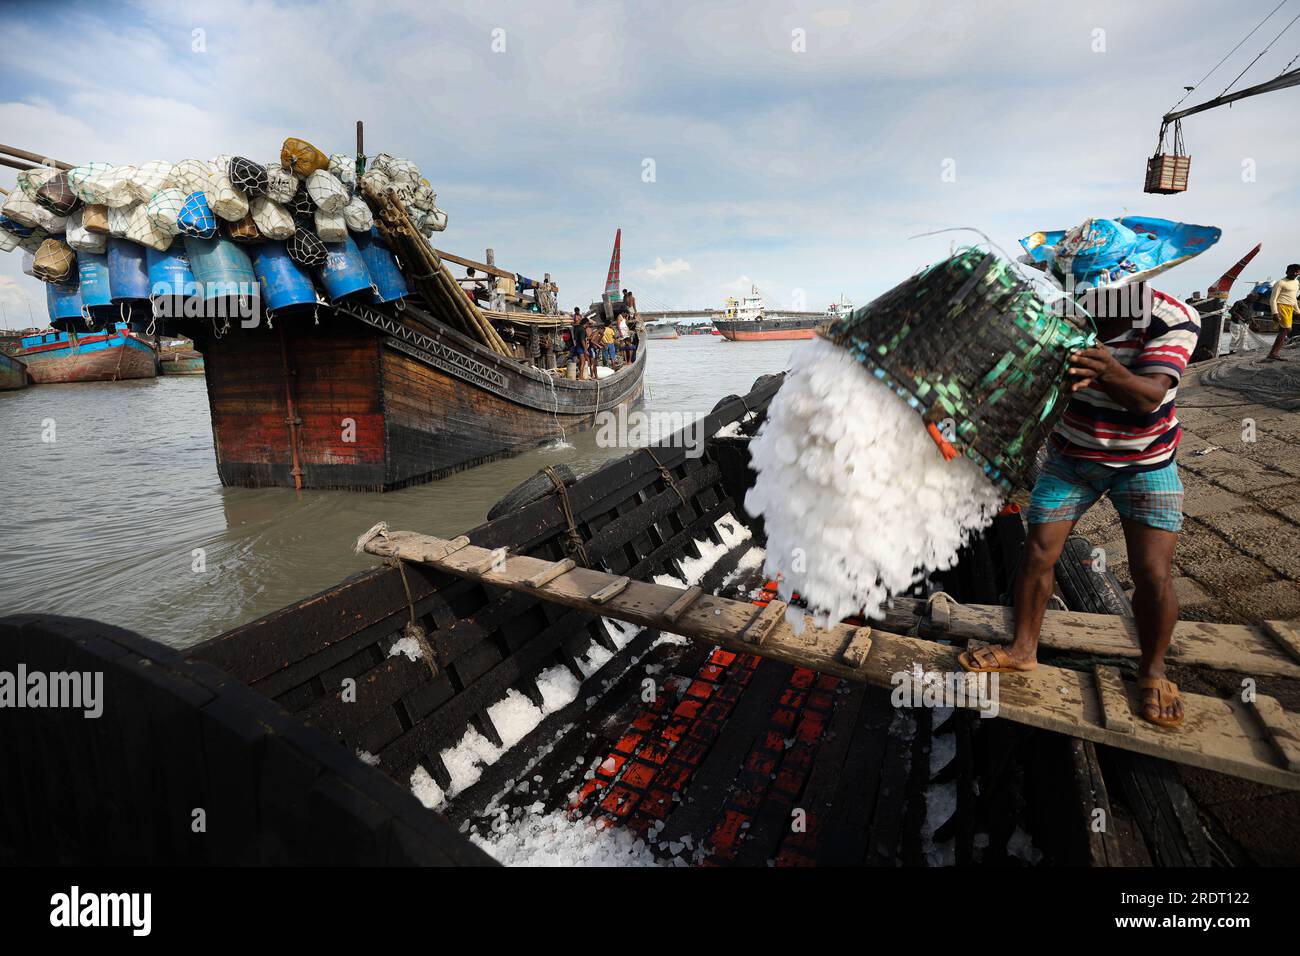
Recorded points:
(1266, 651)
(1259, 741)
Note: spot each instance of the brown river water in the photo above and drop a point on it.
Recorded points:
(104, 521)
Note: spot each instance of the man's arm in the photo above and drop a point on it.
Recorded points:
(1272, 299)
(1141, 392)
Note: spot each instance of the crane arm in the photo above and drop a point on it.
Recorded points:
(1279, 82)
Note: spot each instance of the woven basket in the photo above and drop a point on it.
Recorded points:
(982, 358)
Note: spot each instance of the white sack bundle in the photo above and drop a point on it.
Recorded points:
(27, 212)
(84, 181)
(140, 228)
(118, 221)
(272, 219)
(330, 226)
(148, 179)
(281, 185)
(358, 215)
(30, 180)
(164, 208)
(224, 199)
(81, 238)
(115, 186)
(326, 191)
(344, 169)
(857, 499)
(190, 176)
(9, 241)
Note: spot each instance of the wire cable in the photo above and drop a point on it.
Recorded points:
(1225, 58)
(1261, 53)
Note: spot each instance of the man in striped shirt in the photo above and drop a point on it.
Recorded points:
(1118, 437)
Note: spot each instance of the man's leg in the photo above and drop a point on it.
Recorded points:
(1034, 583)
(1150, 562)
(1276, 351)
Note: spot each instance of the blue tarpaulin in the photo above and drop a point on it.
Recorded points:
(1103, 252)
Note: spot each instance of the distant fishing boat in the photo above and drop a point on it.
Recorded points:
(13, 373)
(111, 355)
(180, 362)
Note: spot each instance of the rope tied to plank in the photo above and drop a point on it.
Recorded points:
(414, 629)
(574, 546)
(665, 475)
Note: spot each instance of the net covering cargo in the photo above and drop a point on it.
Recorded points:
(977, 352)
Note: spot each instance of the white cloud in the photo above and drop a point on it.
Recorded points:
(662, 269)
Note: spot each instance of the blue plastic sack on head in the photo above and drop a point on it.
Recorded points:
(1108, 252)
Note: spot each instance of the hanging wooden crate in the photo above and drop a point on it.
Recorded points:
(1167, 173)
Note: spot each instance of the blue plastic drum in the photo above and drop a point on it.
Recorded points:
(171, 285)
(390, 284)
(285, 284)
(63, 302)
(128, 272)
(222, 268)
(92, 270)
(345, 272)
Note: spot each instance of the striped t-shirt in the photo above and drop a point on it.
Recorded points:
(1097, 428)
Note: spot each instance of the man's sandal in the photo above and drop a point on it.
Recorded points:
(990, 659)
(1157, 694)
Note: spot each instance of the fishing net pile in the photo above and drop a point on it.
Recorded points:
(304, 198)
(897, 433)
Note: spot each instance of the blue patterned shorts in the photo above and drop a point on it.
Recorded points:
(1068, 487)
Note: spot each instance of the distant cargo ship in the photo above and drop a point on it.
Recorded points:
(746, 319)
(659, 330)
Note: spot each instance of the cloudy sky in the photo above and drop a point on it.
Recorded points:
(796, 145)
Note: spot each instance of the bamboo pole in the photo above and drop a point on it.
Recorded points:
(440, 290)
(34, 157)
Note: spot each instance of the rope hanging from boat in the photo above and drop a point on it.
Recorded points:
(666, 475)
(414, 629)
(574, 547)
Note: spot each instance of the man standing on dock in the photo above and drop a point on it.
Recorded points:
(1283, 306)
(1118, 438)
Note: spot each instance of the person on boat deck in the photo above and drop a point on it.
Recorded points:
(1118, 437)
(578, 342)
(623, 336)
(534, 346)
(1283, 306)
(479, 292)
(630, 299)
(607, 339)
(595, 346)
(548, 350)
(634, 341)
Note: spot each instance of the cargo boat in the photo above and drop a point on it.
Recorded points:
(180, 362)
(13, 373)
(109, 355)
(707, 771)
(372, 396)
(747, 320)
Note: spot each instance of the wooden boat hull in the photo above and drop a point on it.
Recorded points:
(13, 373)
(366, 401)
(100, 357)
(767, 329)
(187, 362)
